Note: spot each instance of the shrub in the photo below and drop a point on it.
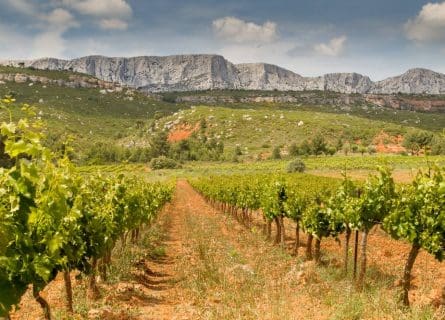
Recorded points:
(371, 150)
(238, 151)
(330, 151)
(276, 153)
(296, 165)
(164, 163)
(293, 150)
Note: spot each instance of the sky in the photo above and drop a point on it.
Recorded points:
(378, 38)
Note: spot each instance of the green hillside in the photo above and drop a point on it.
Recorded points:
(86, 114)
(259, 129)
(130, 118)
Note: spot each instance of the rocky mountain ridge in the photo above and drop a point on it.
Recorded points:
(206, 72)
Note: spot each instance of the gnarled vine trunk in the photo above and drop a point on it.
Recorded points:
(42, 302)
(317, 247)
(282, 232)
(355, 254)
(69, 291)
(310, 237)
(278, 234)
(269, 229)
(92, 285)
(297, 238)
(346, 249)
(363, 260)
(406, 281)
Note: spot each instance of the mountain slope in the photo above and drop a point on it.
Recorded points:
(208, 72)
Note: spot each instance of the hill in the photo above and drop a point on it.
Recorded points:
(127, 118)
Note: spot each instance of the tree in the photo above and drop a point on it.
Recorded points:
(346, 148)
(339, 144)
(238, 151)
(319, 145)
(418, 140)
(419, 218)
(362, 150)
(331, 151)
(371, 150)
(305, 148)
(438, 146)
(159, 144)
(293, 150)
(276, 153)
(354, 148)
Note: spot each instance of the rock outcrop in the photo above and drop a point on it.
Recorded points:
(73, 81)
(207, 72)
(414, 81)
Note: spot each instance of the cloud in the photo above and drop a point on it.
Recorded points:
(333, 48)
(49, 44)
(112, 14)
(101, 8)
(60, 20)
(49, 27)
(113, 24)
(236, 30)
(428, 25)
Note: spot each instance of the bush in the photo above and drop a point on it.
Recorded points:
(164, 163)
(276, 153)
(296, 165)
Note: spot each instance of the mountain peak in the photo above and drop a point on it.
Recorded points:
(190, 72)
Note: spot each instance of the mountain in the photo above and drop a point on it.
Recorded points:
(415, 81)
(204, 72)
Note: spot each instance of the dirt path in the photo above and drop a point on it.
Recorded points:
(163, 272)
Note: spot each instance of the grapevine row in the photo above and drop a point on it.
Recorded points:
(53, 219)
(326, 207)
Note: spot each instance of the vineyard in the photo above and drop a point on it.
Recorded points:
(60, 221)
(56, 220)
(325, 207)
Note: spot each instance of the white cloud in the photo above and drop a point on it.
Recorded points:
(428, 25)
(101, 8)
(49, 44)
(112, 14)
(113, 24)
(50, 26)
(333, 48)
(240, 31)
(60, 20)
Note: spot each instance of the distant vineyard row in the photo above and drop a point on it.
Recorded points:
(326, 207)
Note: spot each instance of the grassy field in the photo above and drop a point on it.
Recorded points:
(404, 167)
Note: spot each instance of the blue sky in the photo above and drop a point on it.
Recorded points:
(377, 38)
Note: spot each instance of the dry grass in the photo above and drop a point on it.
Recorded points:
(232, 273)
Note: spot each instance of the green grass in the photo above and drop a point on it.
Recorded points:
(258, 129)
(87, 115)
(336, 163)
